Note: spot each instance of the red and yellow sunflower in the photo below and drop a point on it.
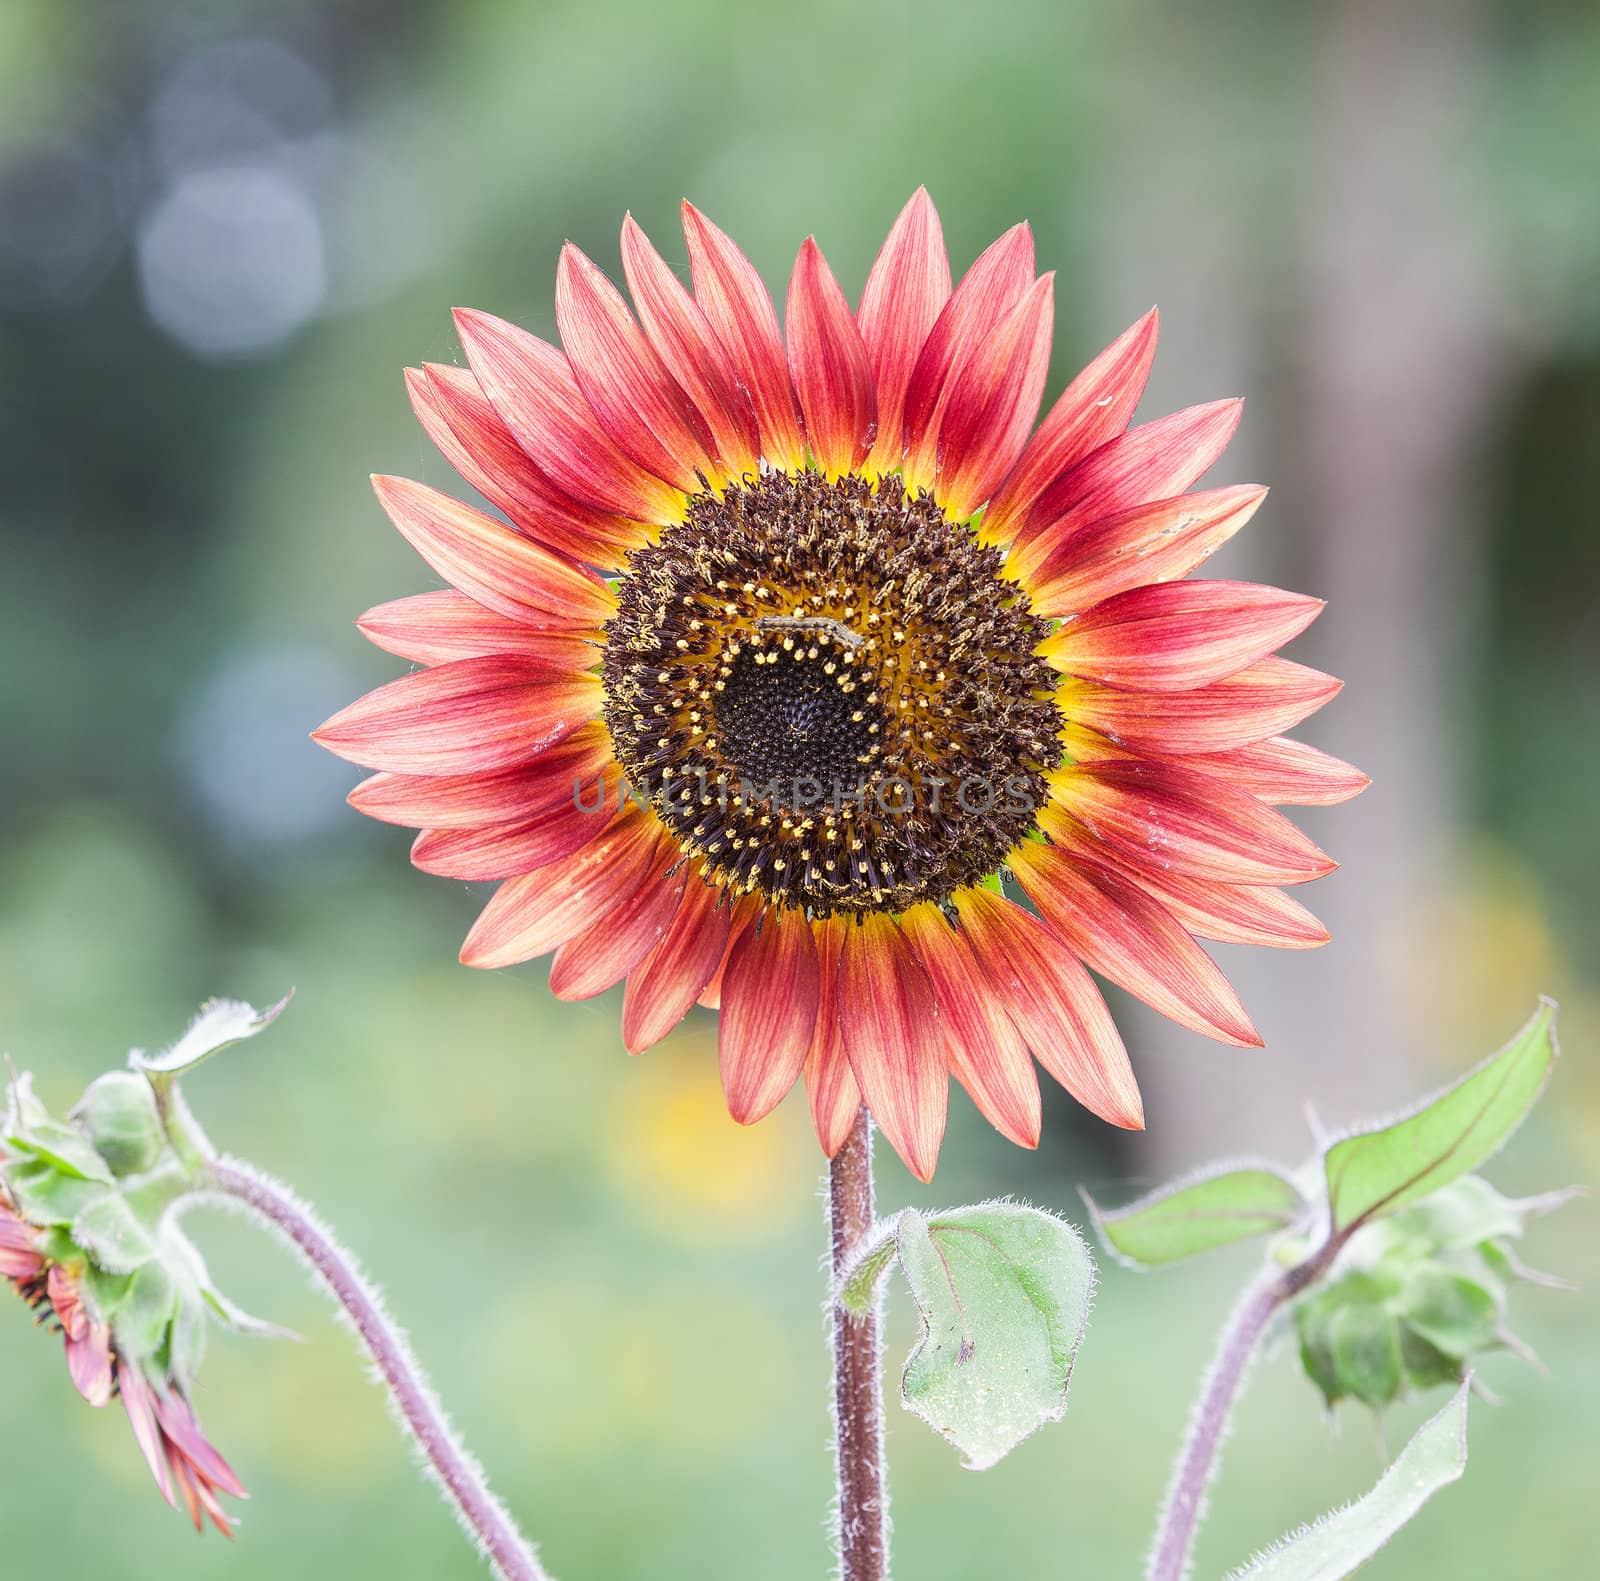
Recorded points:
(802, 659)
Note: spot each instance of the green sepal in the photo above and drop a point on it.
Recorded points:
(1377, 1171)
(108, 1231)
(1199, 1214)
(1455, 1314)
(142, 1319)
(46, 1196)
(1364, 1342)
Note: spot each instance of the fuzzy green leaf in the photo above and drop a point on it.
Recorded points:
(1339, 1544)
(1377, 1171)
(1003, 1292)
(46, 1196)
(1198, 1214)
(220, 1023)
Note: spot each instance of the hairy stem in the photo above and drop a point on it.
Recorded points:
(459, 1476)
(857, 1386)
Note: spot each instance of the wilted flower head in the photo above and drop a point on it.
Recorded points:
(869, 651)
(89, 1241)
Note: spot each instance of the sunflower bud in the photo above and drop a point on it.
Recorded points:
(1416, 1297)
(118, 1113)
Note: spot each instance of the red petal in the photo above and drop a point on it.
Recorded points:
(831, 1085)
(491, 563)
(663, 987)
(1152, 462)
(1095, 407)
(179, 1424)
(737, 306)
(988, 291)
(624, 380)
(1273, 695)
(688, 346)
(905, 293)
(507, 849)
(1236, 913)
(135, 1394)
(1054, 1003)
(535, 393)
(579, 769)
(601, 957)
(1175, 636)
(434, 628)
(451, 406)
(829, 361)
(1280, 770)
(531, 915)
(89, 1363)
(769, 1009)
(995, 403)
(1150, 543)
(471, 714)
(1157, 816)
(986, 1051)
(1133, 940)
(894, 1039)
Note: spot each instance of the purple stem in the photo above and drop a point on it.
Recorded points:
(857, 1387)
(458, 1474)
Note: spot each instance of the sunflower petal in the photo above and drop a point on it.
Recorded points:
(1149, 543)
(535, 392)
(987, 1053)
(1175, 636)
(1132, 939)
(624, 380)
(894, 1039)
(1268, 697)
(1158, 816)
(686, 343)
(529, 916)
(828, 358)
(470, 714)
(459, 419)
(1281, 770)
(904, 295)
(1094, 408)
(831, 1087)
(736, 305)
(433, 628)
(599, 958)
(1152, 462)
(663, 986)
(995, 403)
(987, 292)
(579, 769)
(508, 849)
(769, 1011)
(494, 565)
(1054, 1004)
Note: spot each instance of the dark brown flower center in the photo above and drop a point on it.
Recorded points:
(829, 692)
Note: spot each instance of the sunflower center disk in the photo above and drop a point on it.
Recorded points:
(829, 693)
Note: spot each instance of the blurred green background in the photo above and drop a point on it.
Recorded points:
(225, 227)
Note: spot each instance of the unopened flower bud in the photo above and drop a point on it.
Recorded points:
(119, 1114)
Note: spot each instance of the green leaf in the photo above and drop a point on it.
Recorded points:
(108, 1231)
(1377, 1171)
(220, 1023)
(1339, 1544)
(1198, 1214)
(1003, 1292)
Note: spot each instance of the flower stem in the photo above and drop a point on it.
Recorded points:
(459, 1476)
(1197, 1462)
(857, 1385)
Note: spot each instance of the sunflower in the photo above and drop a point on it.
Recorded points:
(802, 659)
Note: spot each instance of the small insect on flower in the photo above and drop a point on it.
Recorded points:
(876, 659)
